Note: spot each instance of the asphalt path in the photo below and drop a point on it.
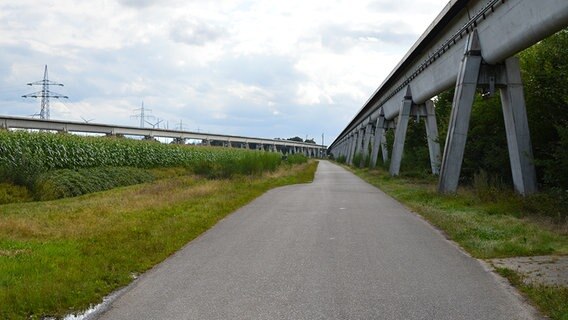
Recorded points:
(337, 248)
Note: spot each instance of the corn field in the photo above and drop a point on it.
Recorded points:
(24, 155)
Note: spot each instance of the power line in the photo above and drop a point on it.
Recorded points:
(45, 94)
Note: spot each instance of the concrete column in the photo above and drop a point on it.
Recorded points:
(366, 141)
(400, 133)
(432, 136)
(384, 149)
(466, 86)
(380, 142)
(376, 142)
(358, 144)
(517, 128)
(352, 144)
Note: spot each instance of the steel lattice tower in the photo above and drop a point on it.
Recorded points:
(142, 115)
(45, 94)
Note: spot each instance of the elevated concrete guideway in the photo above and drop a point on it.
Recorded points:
(309, 149)
(337, 248)
(470, 45)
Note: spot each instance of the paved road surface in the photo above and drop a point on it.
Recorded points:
(335, 249)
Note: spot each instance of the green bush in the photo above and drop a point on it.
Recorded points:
(70, 183)
(249, 163)
(10, 193)
(296, 159)
(357, 159)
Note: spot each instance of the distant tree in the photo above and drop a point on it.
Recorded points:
(310, 141)
(149, 138)
(544, 69)
(296, 139)
(178, 141)
(545, 77)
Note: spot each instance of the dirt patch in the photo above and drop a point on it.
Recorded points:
(12, 253)
(546, 270)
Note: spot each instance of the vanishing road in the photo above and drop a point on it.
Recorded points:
(337, 248)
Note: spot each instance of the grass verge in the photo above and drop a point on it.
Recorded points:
(552, 300)
(499, 225)
(486, 229)
(58, 257)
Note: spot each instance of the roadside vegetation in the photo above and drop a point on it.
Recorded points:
(128, 205)
(485, 216)
(59, 257)
(551, 300)
(52, 166)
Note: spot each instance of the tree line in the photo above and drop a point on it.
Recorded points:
(544, 69)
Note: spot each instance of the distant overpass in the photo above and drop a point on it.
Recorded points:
(275, 145)
(470, 45)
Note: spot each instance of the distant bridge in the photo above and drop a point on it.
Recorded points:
(469, 45)
(275, 145)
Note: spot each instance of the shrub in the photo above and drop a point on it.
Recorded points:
(10, 193)
(296, 159)
(69, 183)
(357, 159)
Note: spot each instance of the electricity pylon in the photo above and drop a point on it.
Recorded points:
(45, 94)
(142, 115)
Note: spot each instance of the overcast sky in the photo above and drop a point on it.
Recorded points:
(257, 68)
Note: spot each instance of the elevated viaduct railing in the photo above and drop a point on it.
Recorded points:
(276, 145)
(470, 44)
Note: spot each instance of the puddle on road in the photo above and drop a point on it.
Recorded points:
(94, 311)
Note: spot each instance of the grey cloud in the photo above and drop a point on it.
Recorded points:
(260, 70)
(194, 32)
(340, 38)
(139, 3)
(389, 6)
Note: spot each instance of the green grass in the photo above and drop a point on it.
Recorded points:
(551, 300)
(10, 193)
(490, 222)
(486, 229)
(58, 257)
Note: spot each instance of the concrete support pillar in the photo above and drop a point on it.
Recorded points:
(466, 86)
(380, 142)
(517, 128)
(366, 141)
(400, 133)
(358, 144)
(432, 136)
(351, 150)
(384, 148)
